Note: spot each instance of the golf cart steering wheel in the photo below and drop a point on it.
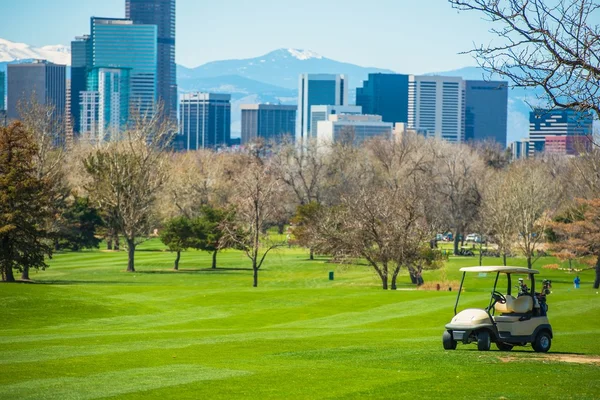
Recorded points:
(499, 297)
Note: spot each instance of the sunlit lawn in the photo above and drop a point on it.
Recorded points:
(89, 330)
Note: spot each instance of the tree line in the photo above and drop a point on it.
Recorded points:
(383, 202)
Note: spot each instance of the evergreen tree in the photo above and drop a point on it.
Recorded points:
(178, 236)
(209, 232)
(78, 226)
(23, 204)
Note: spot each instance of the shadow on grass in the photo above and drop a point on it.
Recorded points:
(83, 282)
(195, 271)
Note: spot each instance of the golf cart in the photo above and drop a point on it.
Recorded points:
(507, 321)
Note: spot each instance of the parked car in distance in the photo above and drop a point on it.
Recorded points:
(474, 237)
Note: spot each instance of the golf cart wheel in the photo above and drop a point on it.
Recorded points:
(483, 341)
(504, 346)
(448, 341)
(542, 342)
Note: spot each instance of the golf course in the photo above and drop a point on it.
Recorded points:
(86, 329)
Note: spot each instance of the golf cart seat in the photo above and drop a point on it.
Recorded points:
(520, 305)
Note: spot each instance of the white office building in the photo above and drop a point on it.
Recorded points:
(357, 128)
(436, 104)
(314, 90)
(89, 105)
(322, 113)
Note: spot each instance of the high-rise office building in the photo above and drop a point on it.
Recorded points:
(437, 104)
(112, 102)
(385, 95)
(519, 149)
(89, 107)
(560, 131)
(267, 121)
(322, 113)
(162, 14)
(205, 121)
(80, 63)
(486, 108)
(41, 81)
(355, 128)
(318, 89)
(119, 44)
(2, 90)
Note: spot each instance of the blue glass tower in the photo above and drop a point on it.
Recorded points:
(2, 90)
(486, 111)
(162, 14)
(318, 90)
(118, 43)
(80, 63)
(385, 95)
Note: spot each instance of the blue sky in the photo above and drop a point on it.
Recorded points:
(410, 36)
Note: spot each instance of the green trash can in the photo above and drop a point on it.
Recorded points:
(330, 275)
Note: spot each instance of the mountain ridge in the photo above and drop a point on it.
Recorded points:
(273, 78)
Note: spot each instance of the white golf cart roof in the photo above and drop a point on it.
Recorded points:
(504, 270)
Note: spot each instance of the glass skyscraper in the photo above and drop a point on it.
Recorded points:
(486, 108)
(118, 43)
(112, 86)
(205, 121)
(385, 95)
(318, 90)
(162, 14)
(2, 90)
(81, 56)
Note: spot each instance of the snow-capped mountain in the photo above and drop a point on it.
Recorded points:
(280, 68)
(11, 51)
(272, 77)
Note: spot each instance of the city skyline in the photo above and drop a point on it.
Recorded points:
(390, 43)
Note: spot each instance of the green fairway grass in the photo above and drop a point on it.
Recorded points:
(86, 329)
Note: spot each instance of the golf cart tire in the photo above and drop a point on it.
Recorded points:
(504, 346)
(542, 342)
(483, 341)
(448, 341)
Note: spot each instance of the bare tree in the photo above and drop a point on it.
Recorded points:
(255, 203)
(499, 215)
(127, 175)
(551, 45)
(303, 169)
(459, 172)
(533, 198)
(380, 215)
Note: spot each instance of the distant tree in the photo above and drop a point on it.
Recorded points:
(380, 216)
(209, 230)
(552, 45)
(499, 219)
(304, 224)
(24, 204)
(578, 235)
(458, 186)
(78, 226)
(531, 193)
(255, 202)
(178, 235)
(126, 176)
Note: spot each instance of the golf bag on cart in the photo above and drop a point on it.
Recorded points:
(541, 297)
